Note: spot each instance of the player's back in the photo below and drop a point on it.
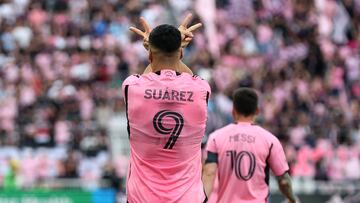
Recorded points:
(167, 115)
(245, 154)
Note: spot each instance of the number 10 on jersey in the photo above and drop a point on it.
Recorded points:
(238, 158)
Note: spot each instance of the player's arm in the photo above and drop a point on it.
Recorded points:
(209, 172)
(148, 69)
(184, 68)
(280, 168)
(208, 177)
(285, 187)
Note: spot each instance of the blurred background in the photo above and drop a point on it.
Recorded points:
(63, 131)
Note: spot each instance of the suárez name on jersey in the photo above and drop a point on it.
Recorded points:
(172, 95)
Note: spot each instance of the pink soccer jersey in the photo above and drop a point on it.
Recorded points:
(167, 113)
(245, 152)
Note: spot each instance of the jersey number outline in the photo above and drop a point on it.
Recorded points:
(236, 159)
(173, 132)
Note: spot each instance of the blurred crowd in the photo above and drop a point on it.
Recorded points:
(62, 63)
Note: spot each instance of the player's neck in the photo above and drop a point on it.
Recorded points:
(244, 119)
(162, 66)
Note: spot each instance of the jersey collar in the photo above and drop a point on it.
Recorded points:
(245, 123)
(167, 72)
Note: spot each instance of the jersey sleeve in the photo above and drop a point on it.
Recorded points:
(211, 144)
(129, 81)
(277, 159)
(212, 151)
(206, 86)
(202, 83)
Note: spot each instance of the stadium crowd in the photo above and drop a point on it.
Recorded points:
(62, 63)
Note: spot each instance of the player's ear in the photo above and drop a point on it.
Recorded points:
(150, 56)
(234, 114)
(257, 111)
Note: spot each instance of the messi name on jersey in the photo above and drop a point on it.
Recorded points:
(171, 95)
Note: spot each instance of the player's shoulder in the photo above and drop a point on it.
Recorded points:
(132, 79)
(217, 134)
(200, 82)
(266, 133)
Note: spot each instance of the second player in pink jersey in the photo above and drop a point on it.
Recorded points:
(167, 113)
(242, 153)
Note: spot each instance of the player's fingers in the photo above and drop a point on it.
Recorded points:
(188, 34)
(186, 20)
(194, 27)
(137, 31)
(145, 25)
(146, 45)
(188, 39)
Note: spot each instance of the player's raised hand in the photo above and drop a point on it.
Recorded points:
(186, 33)
(144, 34)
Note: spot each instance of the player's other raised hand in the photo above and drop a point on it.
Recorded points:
(144, 34)
(187, 32)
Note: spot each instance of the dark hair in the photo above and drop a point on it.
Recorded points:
(166, 38)
(245, 101)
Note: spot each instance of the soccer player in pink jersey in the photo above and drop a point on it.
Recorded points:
(167, 112)
(241, 155)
